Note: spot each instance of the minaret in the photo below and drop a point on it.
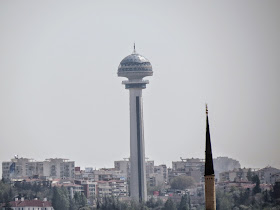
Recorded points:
(209, 175)
(135, 67)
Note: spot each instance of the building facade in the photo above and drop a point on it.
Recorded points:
(19, 168)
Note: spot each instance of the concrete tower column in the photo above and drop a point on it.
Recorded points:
(138, 187)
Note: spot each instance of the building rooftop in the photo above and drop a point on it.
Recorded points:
(31, 203)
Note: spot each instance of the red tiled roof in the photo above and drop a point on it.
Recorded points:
(30, 203)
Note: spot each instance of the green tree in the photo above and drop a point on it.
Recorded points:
(169, 205)
(6, 192)
(84, 208)
(257, 188)
(60, 199)
(109, 203)
(8, 206)
(159, 203)
(182, 182)
(80, 200)
(276, 190)
(72, 204)
(154, 204)
(249, 175)
(224, 200)
(184, 203)
(151, 203)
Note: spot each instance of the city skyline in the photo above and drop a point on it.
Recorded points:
(60, 96)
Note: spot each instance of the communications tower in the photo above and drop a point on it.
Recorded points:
(135, 67)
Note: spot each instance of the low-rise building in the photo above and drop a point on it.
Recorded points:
(30, 205)
(228, 185)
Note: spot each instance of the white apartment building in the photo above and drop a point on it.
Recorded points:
(117, 188)
(124, 167)
(238, 175)
(266, 174)
(159, 177)
(193, 167)
(19, 168)
(59, 168)
(222, 164)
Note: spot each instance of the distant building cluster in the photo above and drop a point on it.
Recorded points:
(98, 183)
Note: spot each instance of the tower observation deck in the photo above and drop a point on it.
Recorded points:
(135, 67)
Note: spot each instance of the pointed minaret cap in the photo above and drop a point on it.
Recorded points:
(134, 50)
(209, 169)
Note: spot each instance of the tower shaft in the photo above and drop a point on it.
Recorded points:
(210, 192)
(138, 188)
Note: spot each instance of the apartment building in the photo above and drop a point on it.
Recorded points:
(159, 176)
(19, 168)
(117, 188)
(235, 175)
(193, 167)
(89, 187)
(222, 164)
(266, 174)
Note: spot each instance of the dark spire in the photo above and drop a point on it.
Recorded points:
(209, 169)
(134, 50)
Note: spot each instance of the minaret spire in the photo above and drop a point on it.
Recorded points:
(209, 175)
(209, 169)
(134, 51)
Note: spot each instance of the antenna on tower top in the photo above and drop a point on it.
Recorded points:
(206, 109)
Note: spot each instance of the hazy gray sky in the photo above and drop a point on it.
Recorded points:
(60, 95)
